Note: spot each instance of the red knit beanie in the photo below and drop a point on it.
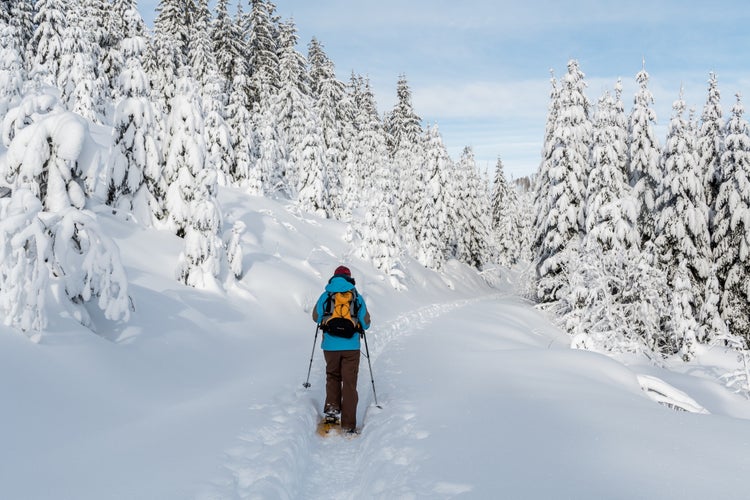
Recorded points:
(343, 271)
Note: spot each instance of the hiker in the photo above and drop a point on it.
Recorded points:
(342, 316)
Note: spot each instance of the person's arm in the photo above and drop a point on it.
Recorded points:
(364, 313)
(317, 310)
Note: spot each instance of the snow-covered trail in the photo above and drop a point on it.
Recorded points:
(480, 401)
(285, 459)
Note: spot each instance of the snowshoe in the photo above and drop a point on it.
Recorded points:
(326, 427)
(350, 433)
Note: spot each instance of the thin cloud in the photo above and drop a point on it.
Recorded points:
(483, 99)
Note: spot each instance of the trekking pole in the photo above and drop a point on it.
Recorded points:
(306, 385)
(372, 380)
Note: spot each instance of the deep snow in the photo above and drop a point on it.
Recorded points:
(200, 394)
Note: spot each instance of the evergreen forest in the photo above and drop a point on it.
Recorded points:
(634, 243)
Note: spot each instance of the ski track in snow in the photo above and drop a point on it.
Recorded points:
(286, 459)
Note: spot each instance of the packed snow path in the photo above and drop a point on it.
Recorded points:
(286, 459)
(479, 401)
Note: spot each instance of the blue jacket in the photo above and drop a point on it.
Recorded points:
(331, 343)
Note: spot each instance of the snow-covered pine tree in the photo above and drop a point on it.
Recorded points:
(168, 52)
(264, 48)
(185, 153)
(380, 239)
(525, 221)
(350, 175)
(24, 252)
(135, 183)
(433, 214)
(321, 68)
(22, 19)
(369, 149)
(229, 47)
(312, 191)
(20, 15)
(66, 247)
(371, 168)
(219, 154)
(11, 68)
(683, 324)
(297, 123)
(711, 326)
(542, 178)
(192, 209)
(643, 150)
(90, 262)
(328, 93)
(50, 153)
(113, 32)
(504, 220)
(80, 86)
(44, 148)
(731, 225)
(234, 249)
(176, 19)
(102, 32)
(204, 257)
(616, 301)
(711, 141)
(46, 45)
(612, 285)
(404, 134)
(569, 160)
(681, 230)
(403, 126)
(471, 213)
(95, 22)
(271, 161)
(201, 56)
(611, 217)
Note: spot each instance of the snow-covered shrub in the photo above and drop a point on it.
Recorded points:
(200, 263)
(19, 117)
(24, 250)
(739, 379)
(88, 261)
(38, 247)
(46, 235)
(616, 302)
(185, 153)
(11, 69)
(683, 325)
(50, 152)
(234, 249)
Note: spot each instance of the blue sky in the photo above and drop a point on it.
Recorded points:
(480, 68)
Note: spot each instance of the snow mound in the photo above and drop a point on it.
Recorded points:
(669, 396)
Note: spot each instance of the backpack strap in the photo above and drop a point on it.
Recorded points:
(328, 305)
(354, 311)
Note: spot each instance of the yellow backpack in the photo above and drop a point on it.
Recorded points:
(340, 313)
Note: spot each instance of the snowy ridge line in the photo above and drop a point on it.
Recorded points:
(285, 457)
(669, 396)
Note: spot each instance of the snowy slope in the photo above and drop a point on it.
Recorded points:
(200, 395)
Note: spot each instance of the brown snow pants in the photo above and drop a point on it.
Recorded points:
(342, 368)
